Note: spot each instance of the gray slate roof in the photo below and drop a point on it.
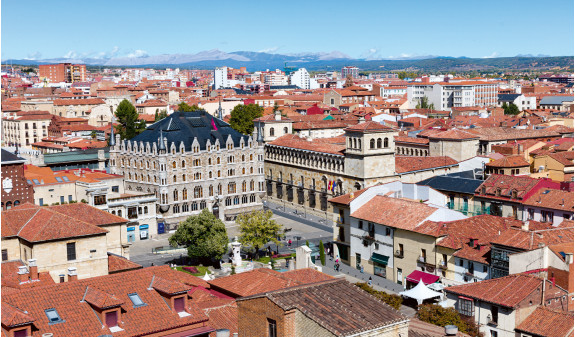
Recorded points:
(452, 184)
(10, 158)
(183, 127)
(555, 100)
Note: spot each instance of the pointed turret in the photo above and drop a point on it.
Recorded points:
(162, 145)
(220, 111)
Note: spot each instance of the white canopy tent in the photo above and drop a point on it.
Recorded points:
(420, 293)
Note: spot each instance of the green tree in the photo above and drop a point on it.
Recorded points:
(504, 106)
(424, 104)
(204, 235)
(437, 315)
(307, 243)
(258, 228)
(511, 109)
(321, 253)
(160, 115)
(129, 125)
(242, 117)
(93, 134)
(185, 107)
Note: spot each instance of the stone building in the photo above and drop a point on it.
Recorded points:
(306, 172)
(192, 161)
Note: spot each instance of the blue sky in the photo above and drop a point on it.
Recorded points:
(360, 29)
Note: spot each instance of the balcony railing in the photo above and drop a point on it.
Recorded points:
(398, 254)
(469, 210)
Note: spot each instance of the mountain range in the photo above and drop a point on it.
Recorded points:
(313, 61)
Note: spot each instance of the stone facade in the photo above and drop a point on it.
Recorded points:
(15, 189)
(225, 178)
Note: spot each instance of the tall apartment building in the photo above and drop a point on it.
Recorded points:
(445, 95)
(353, 71)
(25, 128)
(300, 78)
(63, 72)
(192, 161)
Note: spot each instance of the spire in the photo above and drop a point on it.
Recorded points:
(112, 141)
(162, 145)
(260, 139)
(220, 114)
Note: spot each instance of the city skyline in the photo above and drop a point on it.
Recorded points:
(371, 30)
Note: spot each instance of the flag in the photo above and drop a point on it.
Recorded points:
(333, 186)
(214, 125)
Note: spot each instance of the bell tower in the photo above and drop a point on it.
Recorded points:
(370, 150)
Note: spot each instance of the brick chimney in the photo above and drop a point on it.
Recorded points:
(23, 274)
(33, 269)
(72, 274)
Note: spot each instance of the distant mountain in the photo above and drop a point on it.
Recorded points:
(316, 61)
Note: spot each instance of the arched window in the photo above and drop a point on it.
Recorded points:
(354, 143)
(251, 170)
(209, 161)
(183, 177)
(154, 165)
(174, 165)
(218, 160)
(244, 199)
(145, 209)
(120, 213)
(379, 143)
(175, 178)
(372, 143)
(251, 157)
(194, 206)
(232, 188)
(252, 185)
(219, 173)
(198, 193)
(244, 186)
(228, 201)
(114, 212)
(285, 130)
(243, 170)
(202, 204)
(211, 191)
(16, 203)
(386, 142)
(272, 132)
(175, 195)
(147, 164)
(359, 144)
(219, 189)
(210, 174)
(183, 163)
(184, 194)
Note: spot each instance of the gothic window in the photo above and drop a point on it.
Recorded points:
(285, 130)
(244, 186)
(174, 165)
(183, 177)
(251, 170)
(183, 163)
(386, 142)
(184, 194)
(252, 185)
(359, 144)
(202, 204)
(175, 195)
(210, 174)
(232, 188)
(228, 201)
(243, 157)
(252, 198)
(244, 199)
(211, 191)
(372, 143)
(175, 178)
(379, 143)
(218, 161)
(147, 164)
(243, 170)
(194, 206)
(209, 161)
(272, 132)
(236, 200)
(219, 189)
(251, 157)
(198, 193)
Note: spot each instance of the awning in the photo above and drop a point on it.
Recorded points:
(381, 259)
(427, 278)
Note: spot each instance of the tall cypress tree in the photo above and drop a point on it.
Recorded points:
(128, 119)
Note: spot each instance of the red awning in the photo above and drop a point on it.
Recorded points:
(427, 278)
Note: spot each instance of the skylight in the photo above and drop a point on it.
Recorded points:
(66, 178)
(36, 181)
(136, 300)
(59, 179)
(53, 316)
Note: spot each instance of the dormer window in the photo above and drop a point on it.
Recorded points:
(53, 316)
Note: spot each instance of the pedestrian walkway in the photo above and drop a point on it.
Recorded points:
(378, 283)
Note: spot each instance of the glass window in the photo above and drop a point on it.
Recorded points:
(53, 316)
(99, 200)
(71, 250)
(136, 300)
(465, 306)
(272, 328)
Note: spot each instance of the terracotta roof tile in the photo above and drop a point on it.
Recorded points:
(506, 291)
(405, 164)
(403, 139)
(509, 161)
(317, 145)
(83, 101)
(100, 299)
(506, 185)
(551, 198)
(117, 263)
(369, 126)
(393, 212)
(13, 317)
(528, 240)
(549, 323)
(454, 134)
(169, 286)
(347, 198)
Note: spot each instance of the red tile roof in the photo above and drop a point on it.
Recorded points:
(405, 164)
(369, 126)
(553, 199)
(12, 316)
(345, 199)
(454, 134)
(79, 319)
(11, 279)
(528, 240)
(117, 263)
(100, 299)
(83, 101)
(509, 161)
(317, 145)
(506, 291)
(263, 280)
(403, 139)
(393, 212)
(506, 184)
(549, 323)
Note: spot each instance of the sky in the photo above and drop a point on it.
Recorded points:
(40, 29)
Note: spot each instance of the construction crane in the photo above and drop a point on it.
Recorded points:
(289, 70)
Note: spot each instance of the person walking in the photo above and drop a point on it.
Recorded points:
(361, 269)
(289, 243)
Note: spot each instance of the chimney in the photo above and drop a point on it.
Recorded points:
(33, 269)
(23, 274)
(72, 274)
(525, 226)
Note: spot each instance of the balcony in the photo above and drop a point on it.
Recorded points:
(442, 265)
(369, 237)
(398, 254)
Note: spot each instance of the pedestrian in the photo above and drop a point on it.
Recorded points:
(289, 243)
(361, 270)
(369, 281)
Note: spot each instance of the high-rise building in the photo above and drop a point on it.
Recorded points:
(351, 71)
(63, 72)
(300, 78)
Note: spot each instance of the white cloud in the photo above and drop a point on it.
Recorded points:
(494, 54)
(270, 50)
(35, 56)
